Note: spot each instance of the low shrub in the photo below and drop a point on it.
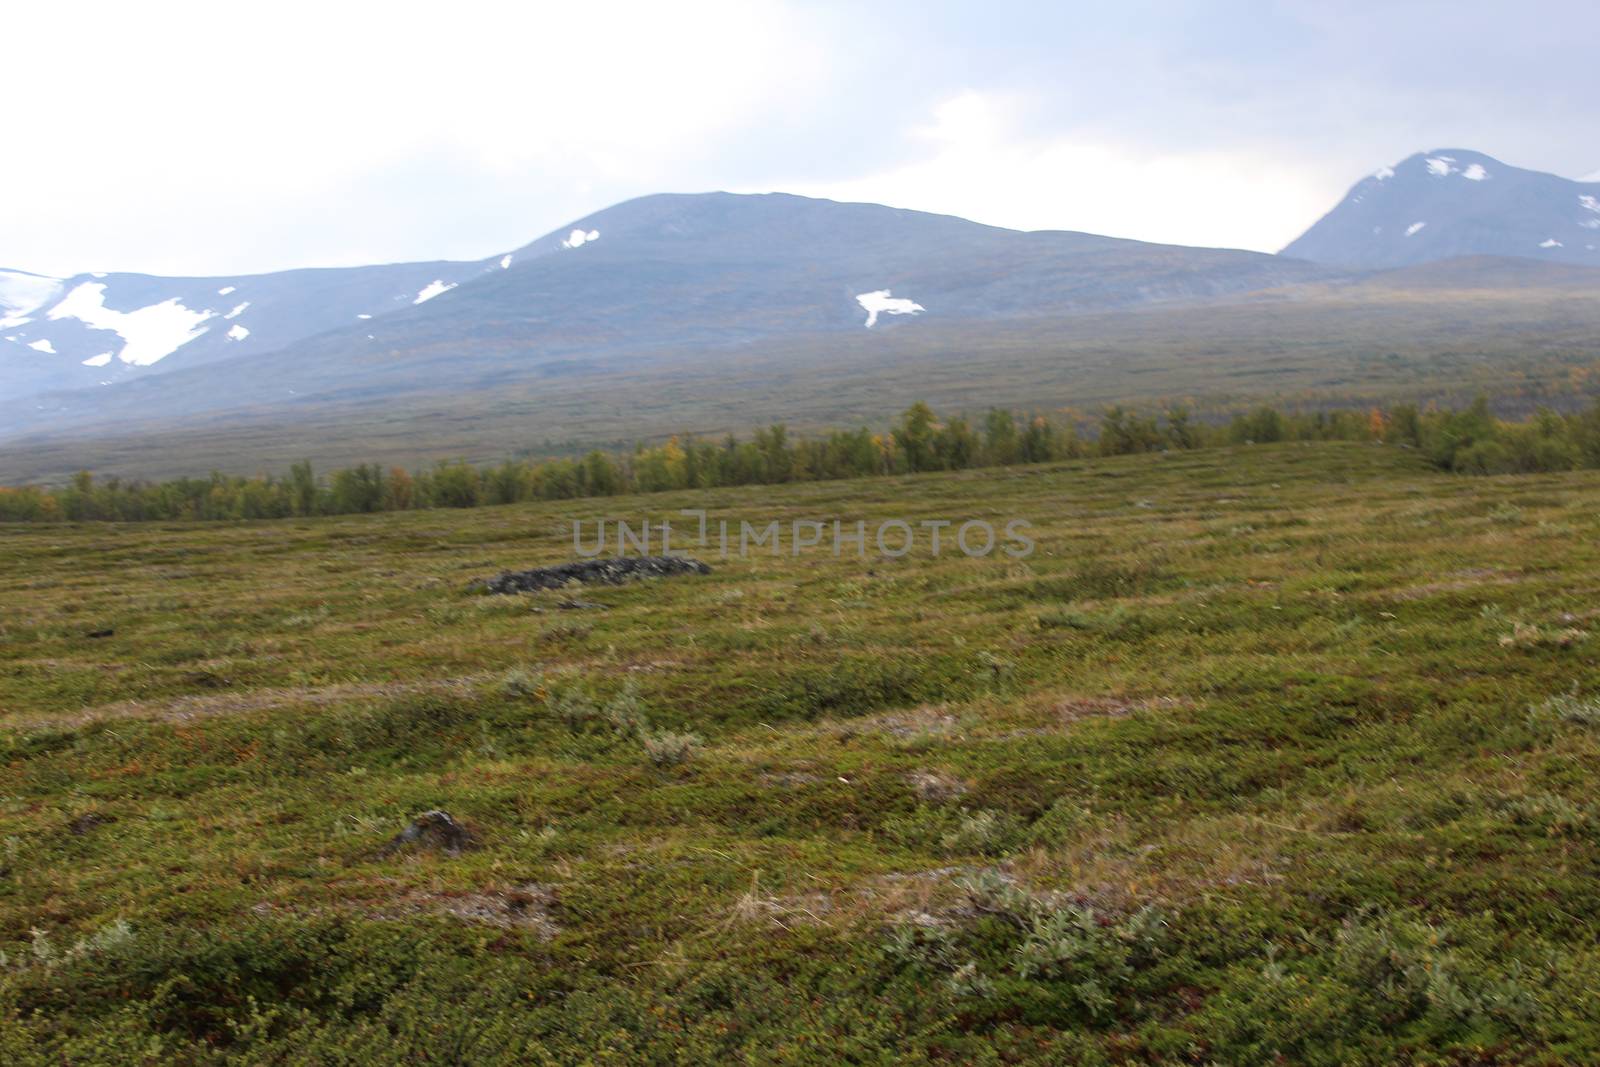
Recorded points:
(668, 749)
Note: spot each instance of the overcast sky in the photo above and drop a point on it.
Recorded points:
(205, 138)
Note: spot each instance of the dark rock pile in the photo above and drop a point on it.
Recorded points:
(612, 571)
(434, 831)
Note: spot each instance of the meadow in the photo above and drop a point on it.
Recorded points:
(1267, 754)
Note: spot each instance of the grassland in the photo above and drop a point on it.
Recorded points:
(1267, 755)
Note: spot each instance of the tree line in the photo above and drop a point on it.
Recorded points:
(1470, 440)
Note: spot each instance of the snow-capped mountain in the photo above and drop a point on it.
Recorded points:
(685, 273)
(706, 285)
(1455, 202)
(723, 269)
(97, 329)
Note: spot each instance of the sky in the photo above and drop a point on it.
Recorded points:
(199, 138)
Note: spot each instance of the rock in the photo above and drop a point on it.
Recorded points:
(436, 831)
(933, 787)
(86, 822)
(613, 571)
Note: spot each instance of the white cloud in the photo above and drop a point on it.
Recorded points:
(547, 98)
(177, 144)
(980, 162)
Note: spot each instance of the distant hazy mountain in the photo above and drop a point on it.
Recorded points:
(1454, 202)
(729, 310)
(679, 271)
(98, 329)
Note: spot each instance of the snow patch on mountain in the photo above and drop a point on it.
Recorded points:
(505, 261)
(1551, 242)
(21, 294)
(237, 332)
(43, 346)
(149, 334)
(1414, 228)
(1444, 166)
(433, 289)
(98, 361)
(226, 289)
(1383, 174)
(237, 311)
(881, 301)
(579, 238)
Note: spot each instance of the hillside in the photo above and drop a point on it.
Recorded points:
(712, 313)
(1271, 754)
(99, 329)
(709, 271)
(1374, 341)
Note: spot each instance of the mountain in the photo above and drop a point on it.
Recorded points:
(716, 312)
(98, 329)
(1455, 202)
(679, 272)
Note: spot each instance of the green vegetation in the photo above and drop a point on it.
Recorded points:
(1269, 754)
(1471, 441)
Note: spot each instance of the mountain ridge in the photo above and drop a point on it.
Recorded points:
(706, 269)
(687, 281)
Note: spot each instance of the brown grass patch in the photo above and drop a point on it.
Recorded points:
(1456, 582)
(190, 708)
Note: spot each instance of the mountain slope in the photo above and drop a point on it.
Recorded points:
(97, 329)
(1418, 334)
(688, 272)
(1455, 202)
